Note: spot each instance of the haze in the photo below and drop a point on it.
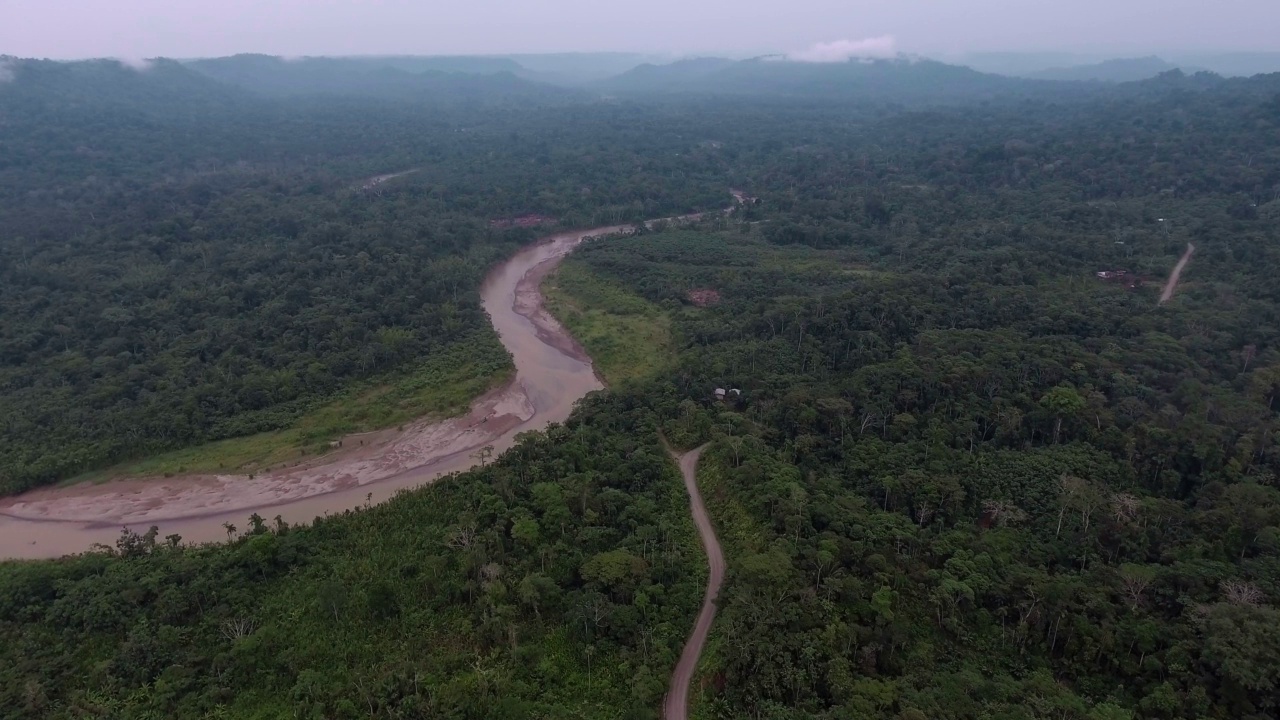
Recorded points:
(805, 28)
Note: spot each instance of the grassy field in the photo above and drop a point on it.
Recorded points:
(442, 385)
(625, 335)
(614, 297)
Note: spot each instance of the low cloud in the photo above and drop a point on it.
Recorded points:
(8, 70)
(139, 64)
(846, 50)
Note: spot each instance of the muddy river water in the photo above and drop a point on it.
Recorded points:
(552, 373)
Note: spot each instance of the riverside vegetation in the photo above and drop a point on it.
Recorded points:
(965, 477)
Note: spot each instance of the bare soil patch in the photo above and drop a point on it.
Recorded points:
(704, 297)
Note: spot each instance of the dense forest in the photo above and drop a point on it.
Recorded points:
(556, 582)
(168, 280)
(1019, 500)
(965, 477)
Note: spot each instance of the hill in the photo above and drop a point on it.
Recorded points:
(679, 75)
(395, 78)
(64, 121)
(466, 64)
(1118, 70)
(1238, 64)
(135, 191)
(576, 68)
(1034, 64)
(156, 86)
(1020, 63)
(902, 79)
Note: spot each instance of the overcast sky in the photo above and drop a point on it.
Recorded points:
(191, 28)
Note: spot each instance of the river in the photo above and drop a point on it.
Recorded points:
(552, 374)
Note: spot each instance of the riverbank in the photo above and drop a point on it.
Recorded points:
(552, 373)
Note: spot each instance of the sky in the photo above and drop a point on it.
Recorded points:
(816, 29)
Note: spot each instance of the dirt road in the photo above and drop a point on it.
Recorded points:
(676, 705)
(552, 374)
(377, 180)
(1176, 275)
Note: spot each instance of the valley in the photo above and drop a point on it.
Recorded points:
(551, 375)
(275, 445)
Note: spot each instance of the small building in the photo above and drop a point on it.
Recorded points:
(723, 394)
(1121, 277)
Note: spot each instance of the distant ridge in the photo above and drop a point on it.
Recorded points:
(901, 79)
(676, 75)
(157, 86)
(425, 79)
(577, 68)
(1035, 64)
(210, 87)
(1118, 70)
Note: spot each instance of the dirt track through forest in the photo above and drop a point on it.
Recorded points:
(676, 704)
(1176, 275)
(552, 374)
(377, 180)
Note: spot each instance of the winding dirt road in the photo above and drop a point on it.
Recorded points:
(552, 374)
(1176, 275)
(676, 705)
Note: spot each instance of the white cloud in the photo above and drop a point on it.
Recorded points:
(7, 73)
(845, 50)
(139, 64)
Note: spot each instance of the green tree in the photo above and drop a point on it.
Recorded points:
(1064, 402)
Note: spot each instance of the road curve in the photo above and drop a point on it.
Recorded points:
(676, 705)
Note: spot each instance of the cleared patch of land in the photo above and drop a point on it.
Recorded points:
(626, 335)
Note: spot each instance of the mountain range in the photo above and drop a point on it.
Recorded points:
(900, 79)
(168, 85)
